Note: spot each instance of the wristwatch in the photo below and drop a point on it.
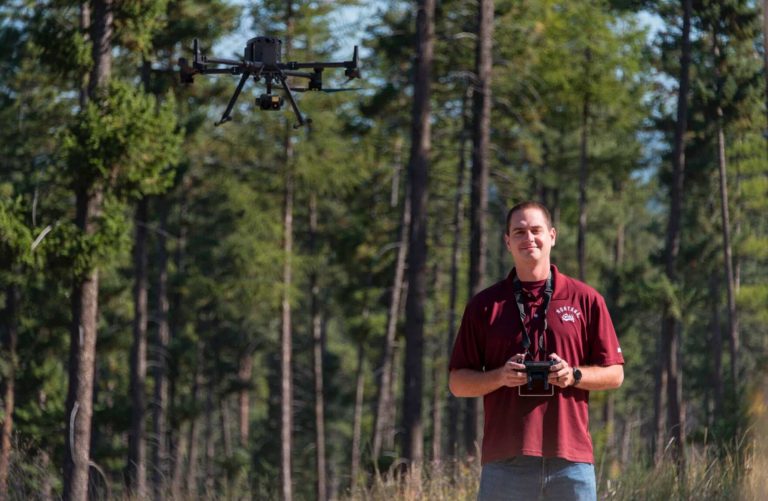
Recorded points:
(576, 376)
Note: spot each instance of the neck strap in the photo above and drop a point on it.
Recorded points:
(518, 288)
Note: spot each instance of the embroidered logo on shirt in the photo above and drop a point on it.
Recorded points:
(568, 313)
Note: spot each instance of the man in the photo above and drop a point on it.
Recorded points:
(536, 445)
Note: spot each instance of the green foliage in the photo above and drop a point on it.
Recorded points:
(15, 236)
(123, 141)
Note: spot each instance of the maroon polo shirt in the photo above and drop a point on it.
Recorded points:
(579, 329)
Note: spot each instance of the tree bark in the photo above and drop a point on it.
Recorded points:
(717, 345)
(383, 423)
(358, 419)
(179, 442)
(286, 336)
(481, 133)
(670, 326)
(136, 469)
(160, 408)
(439, 367)
(244, 374)
(208, 442)
(193, 440)
(725, 221)
(418, 168)
(10, 340)
(321, 488)
(85, 294)
(458, 219)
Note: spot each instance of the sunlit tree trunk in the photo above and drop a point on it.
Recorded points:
(481, 136)
(383, 419)
(458, 220)
(286, 336)
(190, 484)
(357, 422)
(160, 407)
(418, 167)
(209, 443)
(179, 442)
(716, 344)
(85, 294)
(9, 341)
(244, 375)
(136, 469)
(317, 359)
(725, 222)
(671, 328)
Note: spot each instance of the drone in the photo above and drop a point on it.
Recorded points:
(261, 60)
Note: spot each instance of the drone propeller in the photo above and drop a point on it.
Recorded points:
(353, 71)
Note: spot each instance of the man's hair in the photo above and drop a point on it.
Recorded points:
(529, 204)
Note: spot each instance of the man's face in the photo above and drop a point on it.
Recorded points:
(529, 239)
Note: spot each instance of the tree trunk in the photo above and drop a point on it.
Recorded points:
(193, 440)
(717, 345)
(458, 219)
(583, 177)
(317, 351)
(358, 419)
(481, 132)
(439, 364)
(244, 374)
(286, 341)
(160, 458)
(417, 243)
(614, 299)
(136, 469)
(9, 341)
(383, 423)
(725, 221)
(179, 443)
(286, 337)
(210, 446)
(85, 294)
(670, 326)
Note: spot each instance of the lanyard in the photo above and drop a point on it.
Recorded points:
(518, 288)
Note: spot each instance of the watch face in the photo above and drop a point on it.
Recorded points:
(577, 374)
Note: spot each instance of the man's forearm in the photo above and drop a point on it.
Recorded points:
(601, 378)
(472, 383)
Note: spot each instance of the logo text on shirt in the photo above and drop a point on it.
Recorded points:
(568, 313)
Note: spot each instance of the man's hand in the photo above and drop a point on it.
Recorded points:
(593, 377)
(512, 373)
(560, 374)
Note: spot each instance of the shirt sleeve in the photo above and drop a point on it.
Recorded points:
(604, 347)
(467, 348)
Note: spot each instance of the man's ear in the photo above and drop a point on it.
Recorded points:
(554, 236)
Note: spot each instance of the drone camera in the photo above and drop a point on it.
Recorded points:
(270, 102)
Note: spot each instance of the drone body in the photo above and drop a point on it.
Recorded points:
(262, 61)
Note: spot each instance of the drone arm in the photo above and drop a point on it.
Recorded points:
(225, 117)
(219, 71)
(328, 64)
(300, 74)
(295, 107)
